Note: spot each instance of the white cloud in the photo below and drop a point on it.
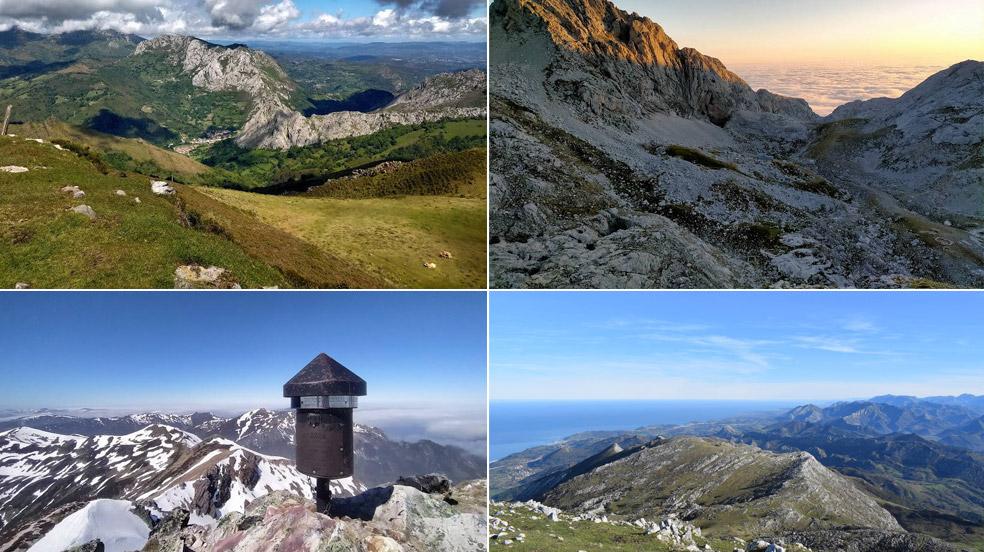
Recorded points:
(384, 18)
(827, 87)
(273, 16)
(227, 18)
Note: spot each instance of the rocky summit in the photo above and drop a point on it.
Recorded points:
(383, 519)
(621, 160)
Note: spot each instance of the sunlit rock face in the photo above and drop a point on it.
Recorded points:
(622, 160)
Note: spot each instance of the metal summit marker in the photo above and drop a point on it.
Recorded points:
(324, 393)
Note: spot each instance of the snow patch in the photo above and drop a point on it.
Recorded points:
(110, 521)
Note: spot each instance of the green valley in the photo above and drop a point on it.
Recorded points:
(255, 191)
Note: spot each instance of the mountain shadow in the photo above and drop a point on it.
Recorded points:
(31, 68)
(130, 127)
(365, 101)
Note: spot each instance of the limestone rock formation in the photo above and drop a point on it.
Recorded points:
(620, 159)
(274, 123)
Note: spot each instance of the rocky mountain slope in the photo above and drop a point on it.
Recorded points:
(383, 519)
(719, 486)
(622, 160)
(928, 487)
(378, 459)
(273, 122)
(173, 89)
(46, 476)
(923, 147)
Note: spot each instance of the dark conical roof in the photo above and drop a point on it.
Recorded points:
(324, 376)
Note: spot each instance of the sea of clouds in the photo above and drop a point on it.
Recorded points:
(827, 87)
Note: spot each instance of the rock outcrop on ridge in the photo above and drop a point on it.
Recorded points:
(274, 123)
(622, 160)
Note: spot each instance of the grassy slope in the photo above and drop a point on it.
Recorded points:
(442, 174)
(542, 535)
(129, 245)
(180, 165)
(389, 237)
(251, 168)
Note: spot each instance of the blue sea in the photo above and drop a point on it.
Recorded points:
(518, 425)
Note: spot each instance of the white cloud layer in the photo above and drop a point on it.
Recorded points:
(826, 88)
(231, 18)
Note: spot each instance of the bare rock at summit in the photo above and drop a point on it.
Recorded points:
(13, 169)
(199, 277)
(384, 519)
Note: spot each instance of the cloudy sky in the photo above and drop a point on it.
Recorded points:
(735, 346)
(422, 354)
(250, 19)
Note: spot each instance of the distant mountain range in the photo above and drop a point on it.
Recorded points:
(53, 465)
(172, 89)
(620, 159)
(887, 464)
(378, 459)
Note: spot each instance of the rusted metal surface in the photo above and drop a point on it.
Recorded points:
(324, 442)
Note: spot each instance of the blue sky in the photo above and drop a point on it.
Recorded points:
(423, 354)
(811, 346)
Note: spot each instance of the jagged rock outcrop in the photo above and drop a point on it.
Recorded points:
(224, 68)
(460, 89)
(598, 116)
(381, 519)
(635, 68)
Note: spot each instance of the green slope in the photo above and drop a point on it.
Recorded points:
(131, 245)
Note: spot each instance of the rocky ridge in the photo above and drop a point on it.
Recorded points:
(48, 476)
(717, 484)
(622, 160)
(383, 519)
(274, 123)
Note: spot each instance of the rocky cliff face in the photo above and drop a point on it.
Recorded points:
(224, 68)
(622, 160)
(463, 89)
(633, 67)
(273, 122)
